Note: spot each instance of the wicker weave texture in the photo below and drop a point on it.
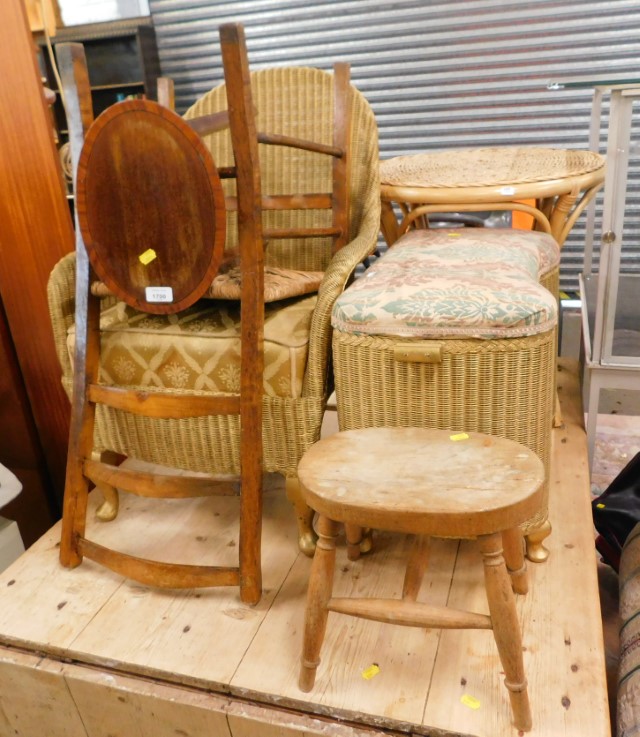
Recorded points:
(499, 387)
(211, 444)
(288, 101)
(486, 167)
(551, 281)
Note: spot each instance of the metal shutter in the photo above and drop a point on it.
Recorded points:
(437, 74)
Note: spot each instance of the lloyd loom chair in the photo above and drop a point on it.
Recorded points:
(194, 352)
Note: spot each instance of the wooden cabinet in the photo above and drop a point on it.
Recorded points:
(20, 449)
(122, 58)
(35, 232)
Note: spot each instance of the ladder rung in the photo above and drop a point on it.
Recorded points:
(156, 573)
(162, 404)
(160, 485)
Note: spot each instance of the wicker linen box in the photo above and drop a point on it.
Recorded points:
(442, 333)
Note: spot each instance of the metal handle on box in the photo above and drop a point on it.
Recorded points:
(427, 352)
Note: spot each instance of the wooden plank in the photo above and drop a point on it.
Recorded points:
(208, 641)
(249, 720)
(198, 636)
(75, 614)
(75, 701)
(34, 699)
(562, 628)
(67, 600)
(113, 704)
(352, 645)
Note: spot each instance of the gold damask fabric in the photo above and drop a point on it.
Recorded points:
(199, 348)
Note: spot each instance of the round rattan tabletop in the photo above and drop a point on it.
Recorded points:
(488, 167)
(561, 181)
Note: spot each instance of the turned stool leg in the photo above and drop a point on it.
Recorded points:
(319, 593)
(506, 629)
(416, 566)
(354, 538)
(513, 543)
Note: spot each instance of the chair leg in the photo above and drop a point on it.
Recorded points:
(506, 628)
(416, 566)
(359, 541)
(319, 593)
(304, 516)
(108, 510)
(354, 538)
(76, 496)
(250, 543)
(536, 551)
(514, 558)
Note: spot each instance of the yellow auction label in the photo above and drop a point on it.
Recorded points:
(459, 436)
(148, 256)
(370, 672)
(470, 701)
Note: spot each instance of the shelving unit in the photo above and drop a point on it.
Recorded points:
(122, 58)
(609, 289)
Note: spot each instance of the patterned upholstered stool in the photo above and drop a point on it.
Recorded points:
(440, 333)
(429, 484)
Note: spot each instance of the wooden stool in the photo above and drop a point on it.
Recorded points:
(430, 483)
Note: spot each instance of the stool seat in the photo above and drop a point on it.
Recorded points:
(431, 483)
(421, 481)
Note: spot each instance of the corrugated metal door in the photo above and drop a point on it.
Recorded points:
(438, 74)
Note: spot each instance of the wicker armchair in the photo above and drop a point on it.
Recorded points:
(294, 102)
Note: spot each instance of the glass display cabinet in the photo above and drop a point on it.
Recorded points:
(610, 290)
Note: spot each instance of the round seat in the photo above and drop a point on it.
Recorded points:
(431, 483)
(423, 481)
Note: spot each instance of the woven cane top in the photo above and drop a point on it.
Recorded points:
(485, 167)
(445, 284)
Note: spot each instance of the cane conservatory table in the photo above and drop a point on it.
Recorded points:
(561, 181)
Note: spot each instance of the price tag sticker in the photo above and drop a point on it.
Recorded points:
(147, 257)
(459, 436)
(158, 294)
(371, 671)
(470, 701)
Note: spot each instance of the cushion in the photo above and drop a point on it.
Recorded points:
(441, 283)
(278, 283)
(199, 348)
(545, 244)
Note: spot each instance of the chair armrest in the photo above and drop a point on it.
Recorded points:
(61, 296)
(336, 278)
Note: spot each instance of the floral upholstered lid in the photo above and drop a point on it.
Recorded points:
(448, 283)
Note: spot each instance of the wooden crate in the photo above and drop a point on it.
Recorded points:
(86, 653)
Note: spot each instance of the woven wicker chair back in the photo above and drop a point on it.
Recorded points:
(288, 101)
